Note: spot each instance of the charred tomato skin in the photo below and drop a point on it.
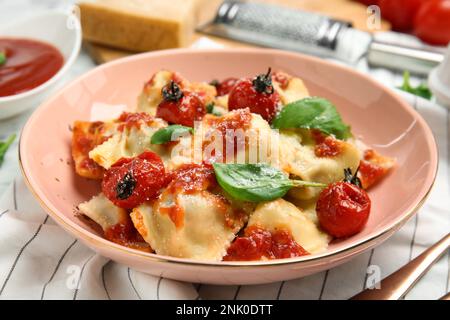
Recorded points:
(131, 181)
(225, 86)
(180, 106)
(257, 94)
(343, 209)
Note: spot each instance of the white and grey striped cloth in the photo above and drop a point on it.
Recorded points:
(38, 260)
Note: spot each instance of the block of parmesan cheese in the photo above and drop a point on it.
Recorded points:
(139, 25)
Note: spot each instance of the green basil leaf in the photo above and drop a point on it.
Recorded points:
(165, 135)
(421, 90)
(255, 182)
(4, 146)
(210, 109)
(2, 58)
(312, 113)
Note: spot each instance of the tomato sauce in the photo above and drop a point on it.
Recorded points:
(238, 120)
(29, 63)
(125, 234)
(326, 146)
(258, 243)
(129, 120)
(188, 178)
(83, 143)
(370, 173)
(282, 78)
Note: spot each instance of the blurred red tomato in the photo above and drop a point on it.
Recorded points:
(432, 22)
(368, 2)
(400, 13)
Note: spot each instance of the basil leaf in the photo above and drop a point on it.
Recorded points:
(210, 109)
(2, 58)
(312, 113)
(165, 135)
(4, 146)
(255, 182)
(421, 90)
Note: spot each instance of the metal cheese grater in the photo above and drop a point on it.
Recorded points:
(284, 28)
(276, 26)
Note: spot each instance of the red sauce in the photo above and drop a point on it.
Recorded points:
(239, 119)
(188, 178)
(125, 234)
(258, 243)
(175, 213)
(282, 78)
(83, 143)
(370, 172)
(326, 146)
(129, 120)
(29, 63)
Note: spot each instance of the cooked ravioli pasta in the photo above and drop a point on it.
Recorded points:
(283, 215)
(207, 226)
(187, 214)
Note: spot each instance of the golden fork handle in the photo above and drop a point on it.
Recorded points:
(400, 282)
(445, 297)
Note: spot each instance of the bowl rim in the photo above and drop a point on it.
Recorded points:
(95, 241)
(76, 46)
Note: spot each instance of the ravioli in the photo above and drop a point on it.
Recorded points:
(292, 88)
(191, 216)
(126, 143)
(204, 231)
(114, 221)
(86, 136)
(280, 214)
(151, 96)
(300, 160)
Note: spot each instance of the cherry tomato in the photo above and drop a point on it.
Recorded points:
(369, 2)
(180, 106)
(258, 95)
(224, 87)
(343, 209)
(131, 181)
(432, 22)
(400, 13)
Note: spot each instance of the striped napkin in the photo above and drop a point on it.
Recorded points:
(38, 260)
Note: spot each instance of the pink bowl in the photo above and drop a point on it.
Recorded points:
(376, 114)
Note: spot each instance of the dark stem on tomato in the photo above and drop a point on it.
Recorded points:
(214, 82)
(172, 92)
(263, 82)
(125, 187)
(352, 178)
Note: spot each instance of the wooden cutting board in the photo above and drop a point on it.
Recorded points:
(342, 9)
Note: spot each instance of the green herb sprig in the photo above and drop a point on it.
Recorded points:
(256, 182)
(2, 58)
(312, 113)
(421, 90)
(4, 146)
(166, 134)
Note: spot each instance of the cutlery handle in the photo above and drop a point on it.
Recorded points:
(400, 282)
(445, 297)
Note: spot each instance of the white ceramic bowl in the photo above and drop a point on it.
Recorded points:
(62, 30)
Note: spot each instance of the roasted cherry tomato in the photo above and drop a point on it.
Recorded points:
(400, 13)
(131, 181)
(180, 106)
(432, 22)
(224, 87)
(258, 95)
(369, 2)
(343, 208)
